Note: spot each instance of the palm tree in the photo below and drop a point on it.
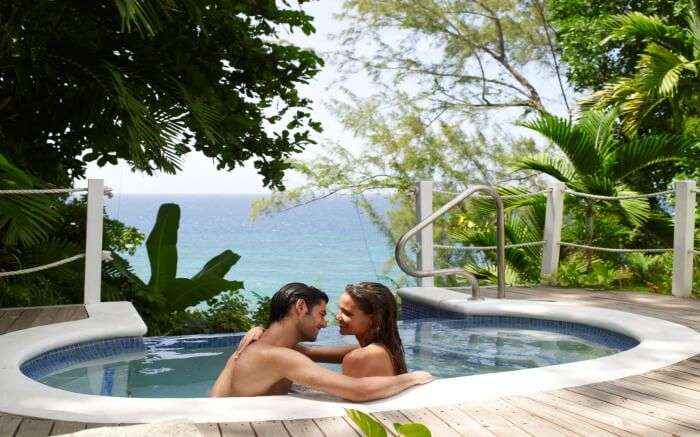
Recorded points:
(597, 160)
(665, 86)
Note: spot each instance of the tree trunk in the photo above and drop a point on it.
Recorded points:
(589, 235)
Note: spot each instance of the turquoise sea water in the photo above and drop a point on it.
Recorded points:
(329, 243)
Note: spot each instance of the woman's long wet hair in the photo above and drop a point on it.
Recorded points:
(379, 303)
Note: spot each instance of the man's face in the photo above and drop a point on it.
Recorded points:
(312, 321)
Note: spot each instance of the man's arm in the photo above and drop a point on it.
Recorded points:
(298, 368)
(326, 354)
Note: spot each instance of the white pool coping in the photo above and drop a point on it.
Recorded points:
(662, 343)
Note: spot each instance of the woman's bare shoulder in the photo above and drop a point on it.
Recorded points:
(370, 360)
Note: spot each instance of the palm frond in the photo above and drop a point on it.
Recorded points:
(645, 151)
(636, 211)
(559, 169)
(645, 27)
(576, 144)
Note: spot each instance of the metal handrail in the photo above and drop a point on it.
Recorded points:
(457, 271)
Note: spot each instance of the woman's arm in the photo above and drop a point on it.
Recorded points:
(326, 354)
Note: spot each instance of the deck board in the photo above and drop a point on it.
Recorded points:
(660, 403)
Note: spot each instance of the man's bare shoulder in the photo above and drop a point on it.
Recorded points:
(372, 351)
(268, 352)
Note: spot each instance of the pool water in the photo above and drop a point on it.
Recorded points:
(187, 366)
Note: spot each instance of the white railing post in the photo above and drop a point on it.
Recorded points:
(683, 236)
(93, 242)
(552, 229)
(424, 208)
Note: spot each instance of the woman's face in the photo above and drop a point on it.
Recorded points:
(352, 320)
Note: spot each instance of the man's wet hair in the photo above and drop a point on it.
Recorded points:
(289, 294)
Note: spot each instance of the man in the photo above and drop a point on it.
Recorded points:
(270, 365)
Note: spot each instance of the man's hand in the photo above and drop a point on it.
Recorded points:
(422, 377)
(252, 335)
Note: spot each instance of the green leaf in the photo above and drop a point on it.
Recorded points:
(412, 430)
(219, 265)
(183, 293)
(369, 426)
(162, 247)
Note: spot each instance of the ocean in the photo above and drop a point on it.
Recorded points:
(327, 243)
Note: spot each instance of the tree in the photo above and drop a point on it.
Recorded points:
(661, 94)
(598, 161)
(462, 55)
(148, 82)
(581, 27)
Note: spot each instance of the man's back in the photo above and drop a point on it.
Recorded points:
(250, 374)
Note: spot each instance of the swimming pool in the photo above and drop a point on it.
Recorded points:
(661, 343)
(186, 366)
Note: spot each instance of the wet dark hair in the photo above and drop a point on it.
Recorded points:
(375, 300)
(289, 294)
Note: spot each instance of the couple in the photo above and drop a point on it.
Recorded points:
(267, 363)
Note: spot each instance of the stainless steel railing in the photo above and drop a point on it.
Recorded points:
(403, 263)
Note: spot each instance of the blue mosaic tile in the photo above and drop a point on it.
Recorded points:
(413, 312)
(61, 358)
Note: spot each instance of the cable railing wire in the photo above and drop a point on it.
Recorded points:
(612, 249)
(106, 256)
(632, 196)
(505, 196)
(50, 191)
(473, 248)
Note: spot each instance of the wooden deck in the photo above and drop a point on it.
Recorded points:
(664, 402)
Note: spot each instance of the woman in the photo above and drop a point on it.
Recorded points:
(368, 311)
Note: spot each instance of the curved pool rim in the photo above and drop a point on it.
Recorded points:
(661, 343)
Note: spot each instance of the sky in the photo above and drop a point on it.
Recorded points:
(199, 174)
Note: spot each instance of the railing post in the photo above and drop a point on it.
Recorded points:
(93, 242)
(683, 236)
(552, 229)
(424, 208)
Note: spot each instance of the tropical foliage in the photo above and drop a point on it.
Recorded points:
(149, 82)
(164, 299)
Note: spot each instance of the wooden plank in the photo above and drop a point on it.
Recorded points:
(682, 413)
(685, 368)
(34, 428)
(335, 426)
(272, 428)
(211, 429)
(436, 425)
(674, 373)
(236, 429)
(673, 380)
(60, 428)
(522, 419)
(565, 420)
(619, 417)
(302, 428)
(25, 320)
(605, 421)
(660, 393)
(460, 421)
(9, 424)
(639, 408)
(8, 318)
(665, 386)
(492, 421)
(663, 427)
(46, 316)
(388, 418)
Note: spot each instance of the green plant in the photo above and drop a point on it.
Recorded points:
(165, 293)
(150, 81)
(228, 312)
(372, 428)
